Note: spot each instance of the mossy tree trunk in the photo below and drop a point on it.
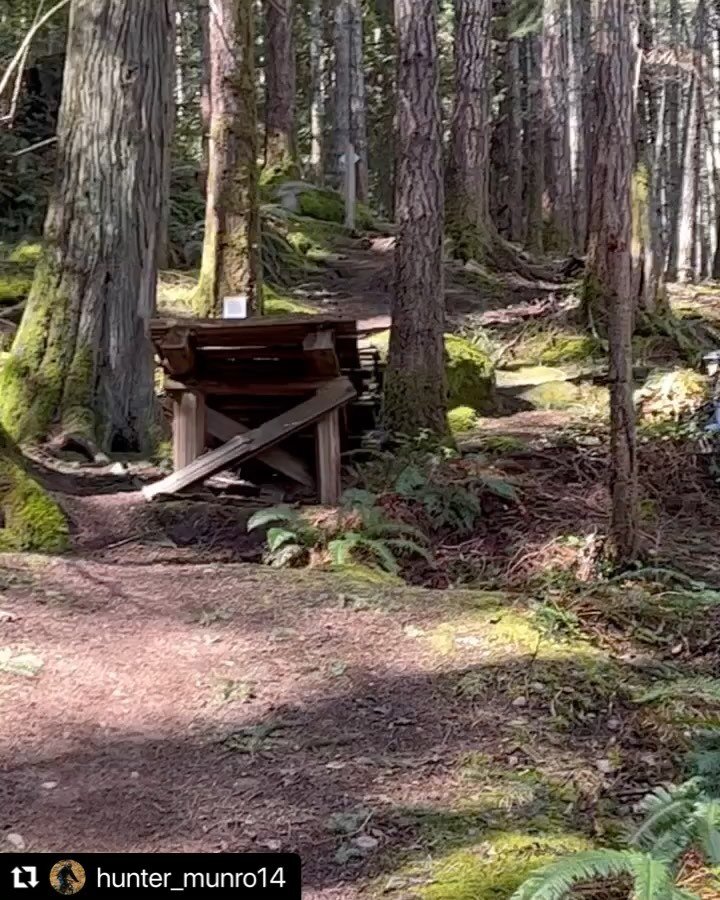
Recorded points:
(317, 92)
(30, 520)
(609, 261)
(469, 223)
(81, 358)
(415, 383)
(342, 86)
(280, 77)
(231, 263)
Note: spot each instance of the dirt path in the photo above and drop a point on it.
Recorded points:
(152, 707)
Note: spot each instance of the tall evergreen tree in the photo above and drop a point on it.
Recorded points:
(415, 385)
(231, 251)
(81, 359)
(280, 88)
(609, 261)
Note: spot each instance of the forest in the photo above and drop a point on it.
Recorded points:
(360, 440)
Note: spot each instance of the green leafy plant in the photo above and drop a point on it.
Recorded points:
(360, 534)
(677, 819)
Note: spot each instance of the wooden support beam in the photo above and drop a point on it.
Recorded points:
(188, 428)
(332, 396)
(225, 428)
(328, 458)
(177, 351)
(319, 348)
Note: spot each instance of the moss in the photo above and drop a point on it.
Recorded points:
(31, 520)
(15, 283)
(368, 575)
(495, 868)
(552, 395)
(461, 419)
(278, 304)
(321, 203)
(271, 176)
(27, 253)
(471, 379)
(672, 395)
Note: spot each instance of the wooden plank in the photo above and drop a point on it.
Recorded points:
(332, 395)
(176, 351)
(225, 428)
(234, 388)
(320, 355)
(328, 458)
(188, 428)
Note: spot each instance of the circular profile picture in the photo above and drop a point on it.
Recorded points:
(67, 877)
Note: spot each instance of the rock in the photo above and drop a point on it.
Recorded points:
(520, 701)
(49, 785)
(16, 841)
(366, 842)
(118, 468)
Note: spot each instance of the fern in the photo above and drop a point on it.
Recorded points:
(651, 877)
(280, 537)
(276, 515)
(700, 688)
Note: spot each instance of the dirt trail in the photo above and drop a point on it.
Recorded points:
(130, 736)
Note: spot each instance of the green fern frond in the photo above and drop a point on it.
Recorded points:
(273, 516)
(652, 878)
(555, 881)
(409, 548)
(287, 556)
(383, 554)
(279, 537)
(341, 549)
(705, 824)
(500, 488)
(699, 688)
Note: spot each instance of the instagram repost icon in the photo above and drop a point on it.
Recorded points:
(67, 877)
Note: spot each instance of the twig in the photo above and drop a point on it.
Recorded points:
(45, 143)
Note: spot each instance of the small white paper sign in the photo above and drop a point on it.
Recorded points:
(235, 307)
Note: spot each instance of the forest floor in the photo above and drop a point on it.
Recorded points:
(159, 690)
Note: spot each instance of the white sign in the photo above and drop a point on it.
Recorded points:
(343, 160)
(235, 307)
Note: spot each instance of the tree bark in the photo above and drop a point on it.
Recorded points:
(674, 149)
(415, 383)
(231, 250)
(608, 279)
(558, 157)
(342, 90)
(535, 153)
(468, 203)
(317, 92)
(81, 358)
(205, 107)
(507, 150)
(358, 100)
(692, 157)
(280, 80)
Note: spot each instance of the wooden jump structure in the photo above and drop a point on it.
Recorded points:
(252, 385)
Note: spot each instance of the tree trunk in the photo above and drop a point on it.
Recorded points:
(692, 157)
(358, 99)
(535, 153)
(231, 250)
(576, 118)
(383, 88)
(280, 79)
(415, 383)
(205, 109)
(558, 157)
(674, 148)
(81, 358)
(341, 92)
(468, 204)
(608, 279)
(648, 249)
(317, 92)
(507, 148)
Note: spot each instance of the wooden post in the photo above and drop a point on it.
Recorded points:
(188, 428)
(350, 186)
(328, 459)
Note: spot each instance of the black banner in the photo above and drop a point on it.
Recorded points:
(257, 876)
